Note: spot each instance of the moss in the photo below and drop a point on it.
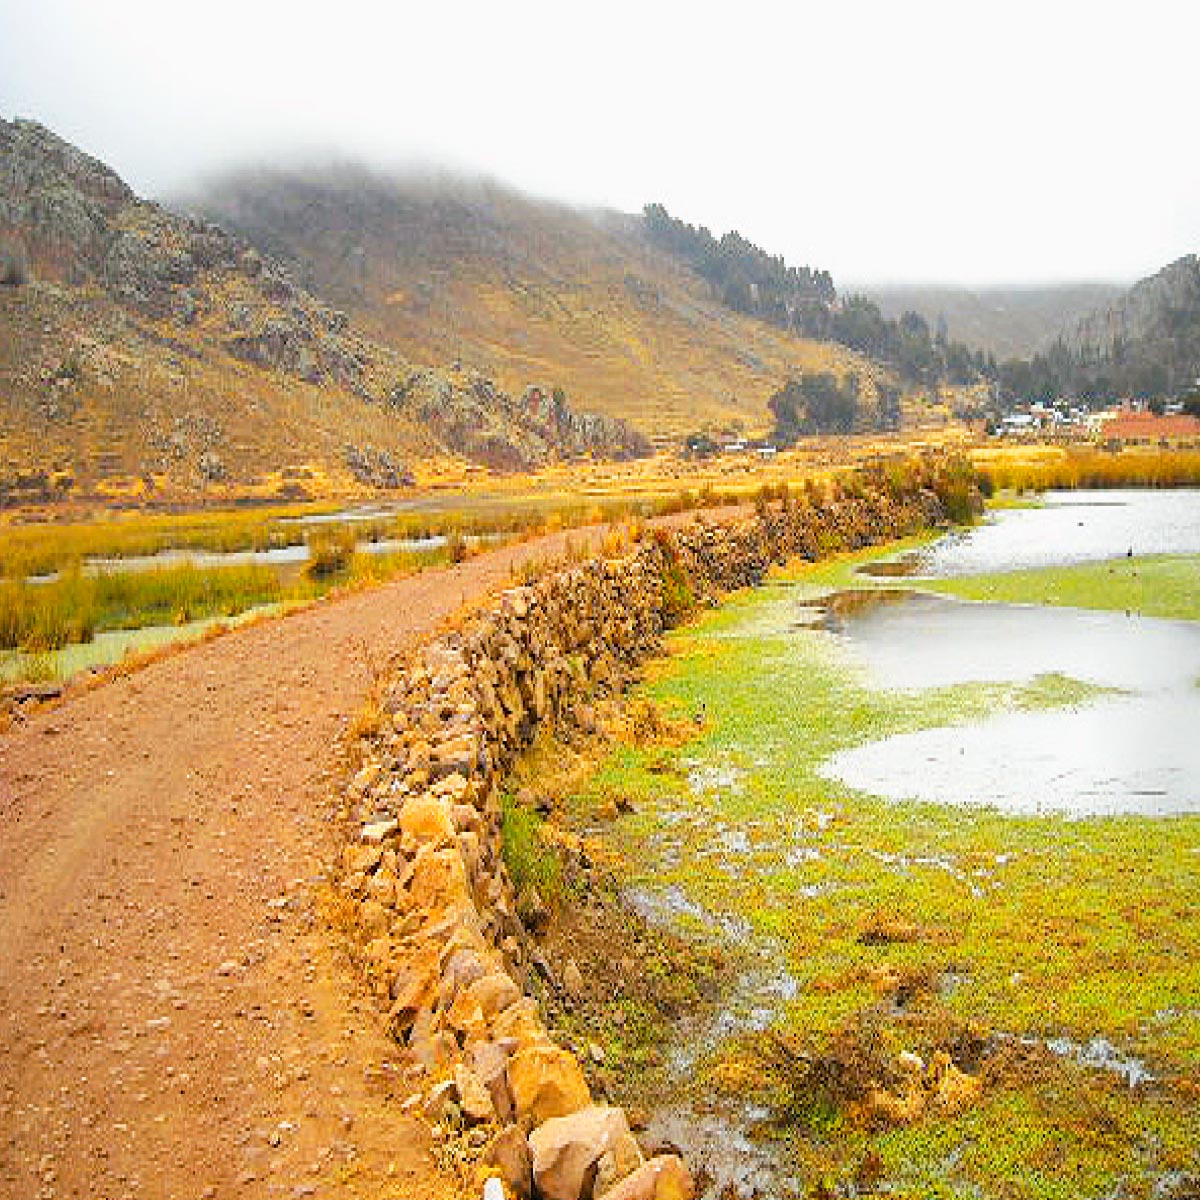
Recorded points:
(530, 861)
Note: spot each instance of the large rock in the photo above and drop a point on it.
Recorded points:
(662, 1178)
(489, 1061)
(568, 1151)
(475, 1007)
(473, 1097)
(439, 881)
(546, 1082)
(616, 1163)
(509, 1154)
(521, 1022)
(427, 819)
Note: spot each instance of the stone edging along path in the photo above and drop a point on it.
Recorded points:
(437, 933)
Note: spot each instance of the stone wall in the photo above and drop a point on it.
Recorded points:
(442, 946)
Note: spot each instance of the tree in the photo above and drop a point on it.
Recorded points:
(816, 403)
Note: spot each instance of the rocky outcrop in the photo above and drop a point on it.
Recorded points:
(441, 943)
(1147, 342)
(69, 226)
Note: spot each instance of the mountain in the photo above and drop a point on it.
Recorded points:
(446, 268)
(1009, 322)
(143, 349)
(1152, 331)
(1144, 344)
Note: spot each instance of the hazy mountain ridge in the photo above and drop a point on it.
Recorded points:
(1158, 314)
(136, 341)
(1009, 322)
(443, 267)
(1145, 344)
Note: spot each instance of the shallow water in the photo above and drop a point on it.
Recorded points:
(277, 556)
(1072, 527)
(110, 647)
(1133, 752)
(1127, 745)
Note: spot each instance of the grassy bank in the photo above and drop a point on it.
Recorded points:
(910, 928)
(40, 548)
(41, 624)
(74, 607)
(1156, 586)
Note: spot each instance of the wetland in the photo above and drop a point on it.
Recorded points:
(943, 826)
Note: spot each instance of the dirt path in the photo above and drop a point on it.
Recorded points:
(174, 1019)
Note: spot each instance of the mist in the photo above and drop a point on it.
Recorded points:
(934, 142)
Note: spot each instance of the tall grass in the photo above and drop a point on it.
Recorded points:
(330, 551)
(48, 616)
(43, 547)
(1091, 468)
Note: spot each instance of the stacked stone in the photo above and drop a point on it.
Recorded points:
(442, 945)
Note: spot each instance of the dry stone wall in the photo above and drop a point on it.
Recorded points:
(442, 946)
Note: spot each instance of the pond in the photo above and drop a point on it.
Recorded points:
(1072, 527)
(1130, 752)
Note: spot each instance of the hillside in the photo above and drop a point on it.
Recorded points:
(444, 268)
(1009, 322)
(140, 349)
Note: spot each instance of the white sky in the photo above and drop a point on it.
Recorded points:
(899, 140)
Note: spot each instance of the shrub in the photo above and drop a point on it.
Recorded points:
(330, 551)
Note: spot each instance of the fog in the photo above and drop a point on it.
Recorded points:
(943, 142)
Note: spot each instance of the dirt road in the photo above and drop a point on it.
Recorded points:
(174, 1019)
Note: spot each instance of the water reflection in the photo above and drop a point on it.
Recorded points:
(1072, 527)
(1136, 752)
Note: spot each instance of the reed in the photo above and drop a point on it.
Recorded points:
(1091, 468)
(74, 607)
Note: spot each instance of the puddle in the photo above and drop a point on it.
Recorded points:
(1096, 1054)
(918, 640)
(1135, 752)
(1099, 1054)
(671, 907)
(1138, 757)
(732, 1165)
(831, 613)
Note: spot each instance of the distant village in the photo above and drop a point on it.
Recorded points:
(1133, 422)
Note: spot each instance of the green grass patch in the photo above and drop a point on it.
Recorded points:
(1024, 926)
(530, 861)
(1157, 586)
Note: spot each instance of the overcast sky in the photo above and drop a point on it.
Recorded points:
(894, 141)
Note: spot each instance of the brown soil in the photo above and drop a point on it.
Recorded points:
(175, 1017)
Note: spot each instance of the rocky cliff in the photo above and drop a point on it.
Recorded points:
(1154, 327)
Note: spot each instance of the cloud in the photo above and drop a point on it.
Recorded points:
(928, 140)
